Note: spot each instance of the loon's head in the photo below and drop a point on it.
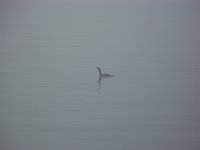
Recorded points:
(98, 68)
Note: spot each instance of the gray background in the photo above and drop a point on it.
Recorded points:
(50, 98)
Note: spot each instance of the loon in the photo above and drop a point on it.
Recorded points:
(103, 75)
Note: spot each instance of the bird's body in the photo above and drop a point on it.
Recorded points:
(106, 75)
(103, 75)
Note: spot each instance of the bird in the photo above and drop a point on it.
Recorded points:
(103, 75)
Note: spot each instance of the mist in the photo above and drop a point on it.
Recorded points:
(53, 97)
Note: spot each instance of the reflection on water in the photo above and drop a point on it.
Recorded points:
(99, 86)
(99, 83)
(50, 94)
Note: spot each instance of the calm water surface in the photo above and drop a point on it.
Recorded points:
(50, 94)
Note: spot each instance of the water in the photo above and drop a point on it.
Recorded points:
(50, 94)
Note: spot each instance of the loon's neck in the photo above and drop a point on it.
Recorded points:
(99, 69)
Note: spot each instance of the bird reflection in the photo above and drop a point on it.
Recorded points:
(99, 86)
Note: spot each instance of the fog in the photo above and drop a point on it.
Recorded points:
(50, 95)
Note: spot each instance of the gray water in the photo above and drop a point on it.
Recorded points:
(50, 96)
